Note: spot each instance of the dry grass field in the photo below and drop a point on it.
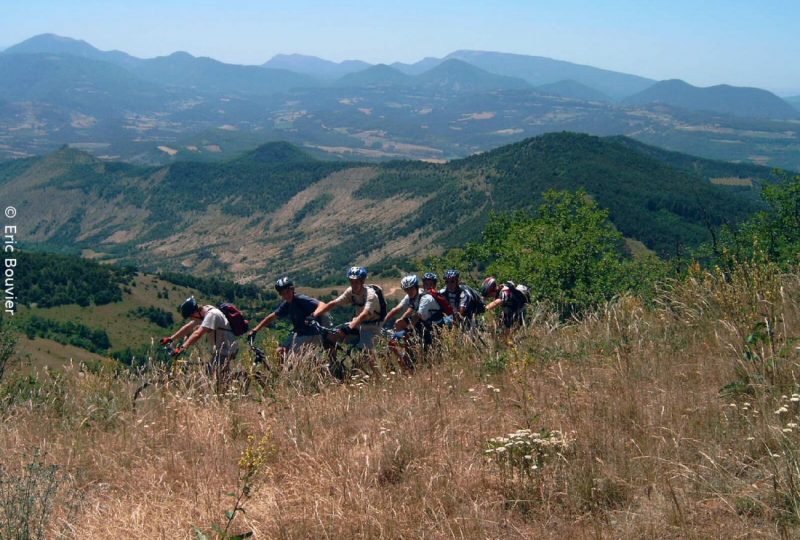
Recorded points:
(674, 420)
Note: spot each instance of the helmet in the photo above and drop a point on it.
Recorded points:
(357, 272)
(188, 307)
(451, 274)
(284, 283)
(489, 286)
(409, 281)
(430, 276)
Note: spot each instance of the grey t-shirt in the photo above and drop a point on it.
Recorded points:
(220, 338)
(367, 298)
(424, 304)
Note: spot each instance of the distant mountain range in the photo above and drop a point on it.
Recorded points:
(56, 90)
(315, 67)
(573, 89)
(275, 209)
(538, 71)
(751, 102)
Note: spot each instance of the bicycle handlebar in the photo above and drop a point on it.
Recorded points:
(343, 328)
(261, 356)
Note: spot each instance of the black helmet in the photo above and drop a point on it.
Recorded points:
(430, 276)
(189, 307)
(489, 287)
(284, 283)
(357, 272)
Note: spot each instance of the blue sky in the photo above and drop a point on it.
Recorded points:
(745, 43)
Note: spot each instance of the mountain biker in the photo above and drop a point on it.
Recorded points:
(423, 314)
(510, 300)
(367, 317)
(429, 280)
(297, 308)
(206, 320)
(461, 298)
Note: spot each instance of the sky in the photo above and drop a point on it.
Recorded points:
(704, 42)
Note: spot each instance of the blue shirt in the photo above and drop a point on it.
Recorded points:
(296, 311)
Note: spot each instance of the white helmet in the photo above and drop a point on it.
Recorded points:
(409, 281)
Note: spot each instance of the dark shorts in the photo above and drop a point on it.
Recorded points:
(513, 317)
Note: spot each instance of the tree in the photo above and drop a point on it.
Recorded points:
(8, 342)
(569, 253)
(771, 235)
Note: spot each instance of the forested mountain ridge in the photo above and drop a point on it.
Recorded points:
(277, 210)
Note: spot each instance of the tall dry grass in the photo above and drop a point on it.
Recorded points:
(681, 420)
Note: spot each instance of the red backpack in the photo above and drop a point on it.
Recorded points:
(239, 325)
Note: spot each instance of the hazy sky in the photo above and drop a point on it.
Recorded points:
(704, 42)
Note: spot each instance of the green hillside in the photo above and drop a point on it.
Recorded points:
(277, 209)
(651, 200)
(75, 308)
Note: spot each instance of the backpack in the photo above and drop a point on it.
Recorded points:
(444, 305)
(475, 303)
(521, 293)
(381, 300)
(526, 292)
(235, 318)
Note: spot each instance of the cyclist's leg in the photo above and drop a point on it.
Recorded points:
(366, 343)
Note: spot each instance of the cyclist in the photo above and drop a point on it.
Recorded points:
(207, 320)
(297, 308)
(429, 280)
(507, 297)
(367, 317)
(423, 314)
(465, 301)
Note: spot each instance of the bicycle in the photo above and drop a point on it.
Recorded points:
(165, 370)
(245, 377)
(333, 342)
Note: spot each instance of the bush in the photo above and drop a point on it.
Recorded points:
(8, 343)
(29, 501)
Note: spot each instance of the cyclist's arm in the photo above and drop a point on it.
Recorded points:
(365, 314)
(392, 312)
(324, 307)
(494, 303)
(185, 330)
(197, 334)
(264, 322)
